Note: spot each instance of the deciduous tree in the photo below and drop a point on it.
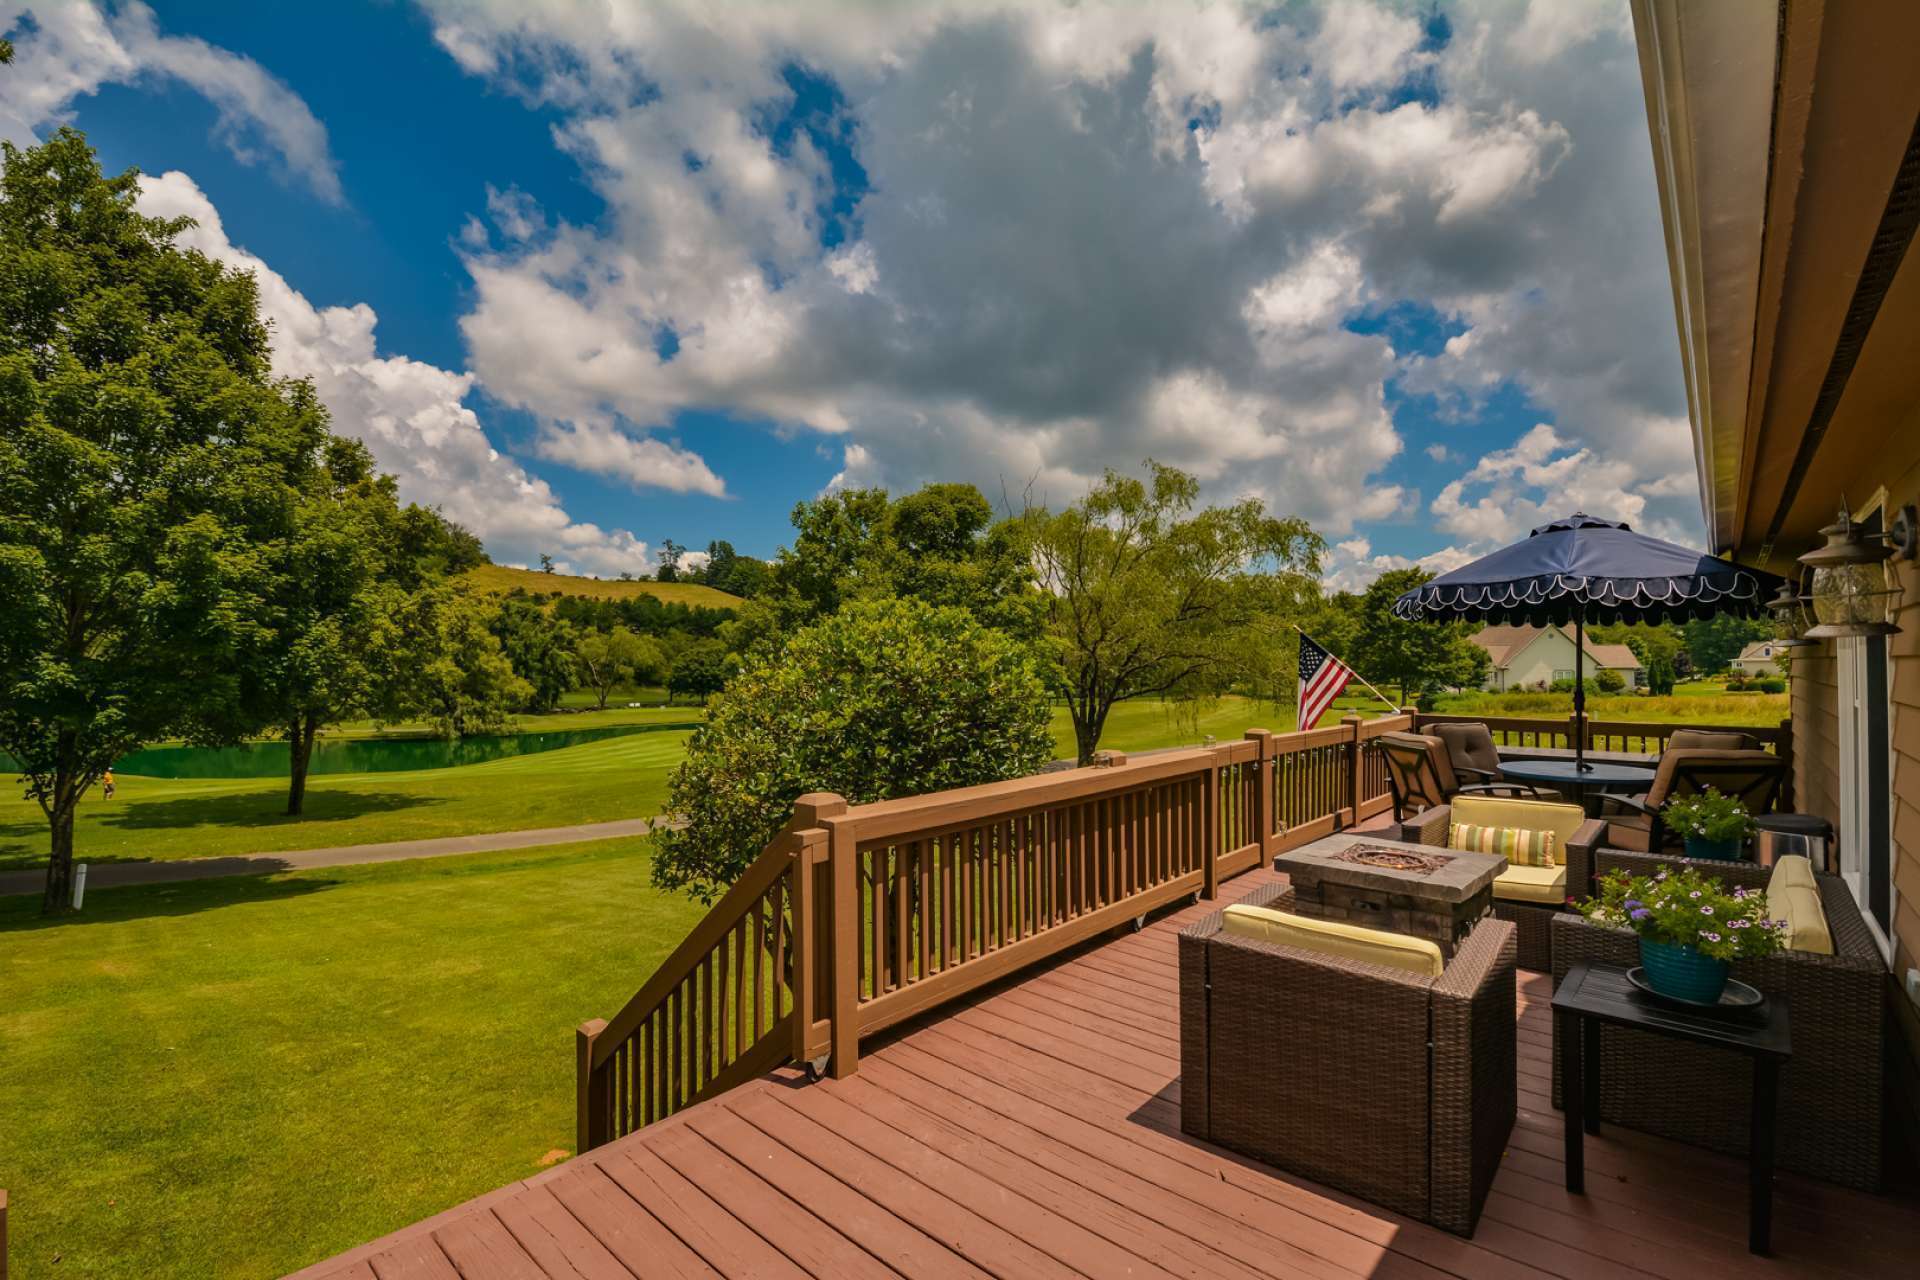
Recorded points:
(699, 671)
(1713, 643)
(1143, 595)
(939, 544)
(609, 659)
(884, 698)
(540, 648)
(1418, 656)
(326, 633)
(449, 667)
(145, 456)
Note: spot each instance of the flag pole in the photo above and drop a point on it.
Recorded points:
(1349, 666)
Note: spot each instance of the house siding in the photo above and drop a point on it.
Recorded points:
(1816, 728)
(1904, 685)
(1547, 653)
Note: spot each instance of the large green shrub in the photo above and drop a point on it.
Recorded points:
(1610, 682)
(885, 698)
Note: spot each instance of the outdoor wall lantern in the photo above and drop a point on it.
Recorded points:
(1788, 609)
(1854, 585)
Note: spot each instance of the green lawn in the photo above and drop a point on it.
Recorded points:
(152, 818)
(1688, 704)
(238, 1077)
(1149, 724)
(626, 777)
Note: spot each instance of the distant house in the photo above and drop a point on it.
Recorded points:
(1534, 657)
(1761, 658)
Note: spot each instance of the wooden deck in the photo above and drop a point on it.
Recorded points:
(1034, 1131)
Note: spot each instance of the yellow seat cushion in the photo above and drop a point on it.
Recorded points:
(1532, 815)
(1532, 884)
(1332, 938)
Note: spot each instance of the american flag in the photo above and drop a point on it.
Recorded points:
(1323, 678)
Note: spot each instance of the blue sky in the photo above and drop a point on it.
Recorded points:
(1393, 267)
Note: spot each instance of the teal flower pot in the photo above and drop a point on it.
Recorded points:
(1724, 850)
(1683, 972)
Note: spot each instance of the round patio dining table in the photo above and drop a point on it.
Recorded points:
(1584, 786)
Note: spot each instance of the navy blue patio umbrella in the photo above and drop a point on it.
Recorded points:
(1583, 569)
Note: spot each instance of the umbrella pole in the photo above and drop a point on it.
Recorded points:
(1580, 688)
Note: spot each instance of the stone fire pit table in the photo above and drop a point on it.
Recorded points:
(1418, 890)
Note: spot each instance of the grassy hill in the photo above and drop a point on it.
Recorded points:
(500, 579)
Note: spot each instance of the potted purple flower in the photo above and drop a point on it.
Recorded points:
(1691, 928)
(1713, 825)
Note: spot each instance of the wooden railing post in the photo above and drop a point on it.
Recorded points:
(843, 855)
(593, 1090)
(1356, 767)
(1263, 793)
(3, 1233)
(1211, 843)
(811, 947)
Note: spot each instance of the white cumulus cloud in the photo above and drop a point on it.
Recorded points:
(1090, 233)
(65, 50)
(412, 415)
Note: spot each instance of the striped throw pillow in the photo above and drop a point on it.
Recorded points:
(1517, 845)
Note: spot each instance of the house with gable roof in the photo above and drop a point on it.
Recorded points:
(1534, 657)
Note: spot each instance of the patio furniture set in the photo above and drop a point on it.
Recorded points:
(1356, 1026)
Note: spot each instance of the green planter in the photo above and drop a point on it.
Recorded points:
(1723, 850)
(1682, 972)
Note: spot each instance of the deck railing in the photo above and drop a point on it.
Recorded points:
(857, 918)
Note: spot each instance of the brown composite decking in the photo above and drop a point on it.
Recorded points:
(1034, 1131)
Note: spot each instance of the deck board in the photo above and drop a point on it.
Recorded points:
(1034, 1130)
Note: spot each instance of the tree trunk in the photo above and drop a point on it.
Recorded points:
(1087, 725)
(604, 690)
(59, 897)
(300, 737)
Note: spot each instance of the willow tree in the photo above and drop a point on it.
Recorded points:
(1144, 595)
(146, 453)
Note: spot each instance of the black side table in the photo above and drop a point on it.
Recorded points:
(1594, 994)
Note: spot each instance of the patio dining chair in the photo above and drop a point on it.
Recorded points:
(1755, 778)
(1421, 776)
(1470, 749)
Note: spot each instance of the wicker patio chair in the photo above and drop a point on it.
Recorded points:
(1757, 778)
(1470, 750)
(1392, 1086)
(1520, 903)
(1711, 740)
(1832, 1103)
(1420, 774)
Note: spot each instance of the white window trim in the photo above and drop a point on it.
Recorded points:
(1849, 677)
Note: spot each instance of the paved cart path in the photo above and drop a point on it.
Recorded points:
(113, 875)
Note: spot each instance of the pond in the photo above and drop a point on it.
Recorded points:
(356, 755)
